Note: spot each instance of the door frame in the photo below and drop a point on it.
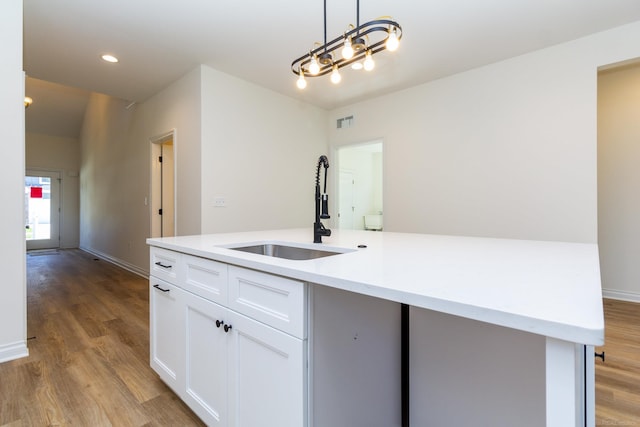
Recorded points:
(155, 186)
(337, 166)
(54, 240)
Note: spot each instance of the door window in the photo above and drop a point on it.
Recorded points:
(41, 210)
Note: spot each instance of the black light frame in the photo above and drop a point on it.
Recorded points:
(359, 32)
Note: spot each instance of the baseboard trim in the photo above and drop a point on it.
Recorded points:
(117, 261)
(621, 295)
(13, 351)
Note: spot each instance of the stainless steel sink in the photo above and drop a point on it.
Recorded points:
(287, 251)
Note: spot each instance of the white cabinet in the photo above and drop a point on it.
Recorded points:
(267, 371)
(274, 300)
(166, 265)
(230, 341)
(205, 278)
(166, 329)
(206, 360)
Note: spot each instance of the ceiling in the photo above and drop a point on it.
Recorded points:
(157, 42)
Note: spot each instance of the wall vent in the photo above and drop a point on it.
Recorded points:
(344, 123)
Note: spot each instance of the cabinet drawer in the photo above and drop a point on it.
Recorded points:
(165, 265)
(273, 300)
(206, 278)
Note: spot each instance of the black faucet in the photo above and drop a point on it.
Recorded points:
(318, 228)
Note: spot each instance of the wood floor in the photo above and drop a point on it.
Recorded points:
(618, 377)
(88, 323)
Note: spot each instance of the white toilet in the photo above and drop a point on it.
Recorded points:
(373, 222)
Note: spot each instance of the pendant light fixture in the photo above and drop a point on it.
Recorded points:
(355, 47)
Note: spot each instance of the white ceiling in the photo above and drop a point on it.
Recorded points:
(159, 41)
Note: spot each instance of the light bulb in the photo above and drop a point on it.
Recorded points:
(356, 66)
(392, 40)
(347, 50)
(301, 83)
(314, 68)
(368, 61)
(335, 75)
(109, 58)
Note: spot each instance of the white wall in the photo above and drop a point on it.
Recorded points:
(506, 150)
(55, 153)
(619, 181)
(178, 107)
(107, 213)
(255, 148)
(259, 153)
(115, 169)
(13, 320)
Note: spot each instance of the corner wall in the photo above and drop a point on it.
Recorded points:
(259, 153)
(115, 170)
(251, 146)
(507, 150)
(13, 304)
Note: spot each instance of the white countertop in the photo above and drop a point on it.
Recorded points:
(546, 288)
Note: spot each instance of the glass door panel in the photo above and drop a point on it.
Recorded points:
(42, 209)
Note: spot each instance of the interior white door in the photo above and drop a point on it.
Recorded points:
(42, 209)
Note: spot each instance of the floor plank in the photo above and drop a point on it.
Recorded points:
(618, 377)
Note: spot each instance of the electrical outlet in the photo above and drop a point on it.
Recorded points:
(219, 202)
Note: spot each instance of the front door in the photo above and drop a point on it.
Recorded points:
(42, 209)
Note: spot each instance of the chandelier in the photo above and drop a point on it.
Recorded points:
(357, 46)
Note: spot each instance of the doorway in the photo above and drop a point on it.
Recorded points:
(163, 195)
(619, 180)
(42, 209)
(618, 235)
(360, 186)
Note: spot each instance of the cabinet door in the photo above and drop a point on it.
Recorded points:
(266, 376)
(166, 324)
(206, 360)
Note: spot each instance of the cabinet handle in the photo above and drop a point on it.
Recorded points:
(160, 289)
(160, 264)
(227, 328)
(219, 323)
(600, 355)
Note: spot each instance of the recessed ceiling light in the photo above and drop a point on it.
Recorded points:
(109, 58)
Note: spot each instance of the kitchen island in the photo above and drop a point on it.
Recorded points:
(500, 330)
